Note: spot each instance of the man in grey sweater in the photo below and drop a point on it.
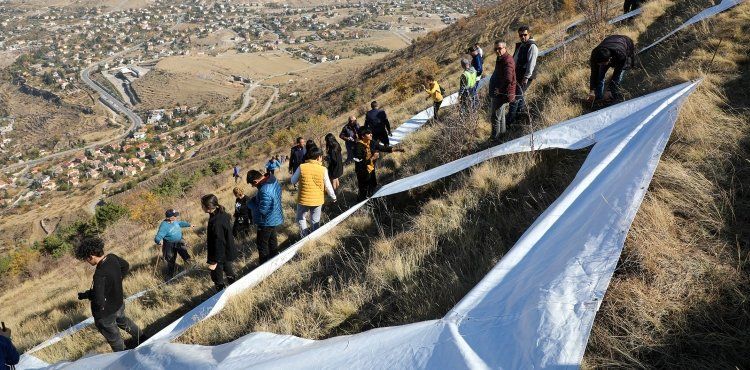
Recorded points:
(525, 56)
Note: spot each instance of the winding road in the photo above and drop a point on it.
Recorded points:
(108, 100)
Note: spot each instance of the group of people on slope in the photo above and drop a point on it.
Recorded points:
(508, 84)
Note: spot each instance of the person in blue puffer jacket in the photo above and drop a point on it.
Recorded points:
(267, 214)
(272, 165)
(169, 237)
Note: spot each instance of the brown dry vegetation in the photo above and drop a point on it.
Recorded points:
(678, 295)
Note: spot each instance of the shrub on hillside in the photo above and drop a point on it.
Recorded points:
(175, 184)
(108, 214)
(144, 207)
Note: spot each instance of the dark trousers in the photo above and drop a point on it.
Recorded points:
(518, 106)
(367, 182)
(270, 171)
(170, 251)
(436, 109)
(109, 326)
(267, 243)
(350, 151)
(217, 275)
(241, 227)
(382, 137)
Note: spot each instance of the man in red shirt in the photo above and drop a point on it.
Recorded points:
(502, 89)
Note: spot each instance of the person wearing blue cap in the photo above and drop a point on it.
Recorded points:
(169, 237)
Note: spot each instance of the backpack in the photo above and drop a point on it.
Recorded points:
(442, 91)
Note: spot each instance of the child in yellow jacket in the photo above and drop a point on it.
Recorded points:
(435, 93)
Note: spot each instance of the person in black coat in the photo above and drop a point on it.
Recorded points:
(377, 121)
(297, 155)
(242, 217)
(220, 247)
(107, 305)
(366, 153)
(616, 52)
(335, 160)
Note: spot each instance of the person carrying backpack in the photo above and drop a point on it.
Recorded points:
(436, 92)
(242, 217)
(169, 237)
(107, 304)
(467, 87)
(377, 121)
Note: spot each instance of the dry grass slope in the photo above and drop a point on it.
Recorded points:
(677, 298)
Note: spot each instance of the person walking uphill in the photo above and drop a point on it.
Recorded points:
(272, 165)
(616, 52)
(524, 57)
(377, 121)
(349, 135)
(220, 249)
(267, 214)
(435, 92)
(107, 304)
(313, 184)
(297, 155)
(366, 153)
(169, 237)
(502, 90)
(236, 173)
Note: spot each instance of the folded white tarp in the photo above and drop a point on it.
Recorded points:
(535, 308)
(706, 13)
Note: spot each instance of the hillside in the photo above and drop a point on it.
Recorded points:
(677, 298)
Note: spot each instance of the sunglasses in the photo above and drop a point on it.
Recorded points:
(523, 34)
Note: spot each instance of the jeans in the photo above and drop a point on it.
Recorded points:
(109, 326)
(267, 243)
(314, 212)
(217, 274)
(170, 251)
(498, 117)
(614, 84)
(367, 184)
(518, 106)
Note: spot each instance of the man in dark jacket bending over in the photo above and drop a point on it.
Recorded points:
(616, 52)
(107, 305)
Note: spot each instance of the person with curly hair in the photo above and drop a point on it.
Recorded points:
(107, 305)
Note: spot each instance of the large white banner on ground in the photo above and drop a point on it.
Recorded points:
(535, 308)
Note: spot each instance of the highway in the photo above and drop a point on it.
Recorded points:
(106, 99)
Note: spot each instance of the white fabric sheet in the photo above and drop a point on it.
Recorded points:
(535, 308)
(706, 13)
